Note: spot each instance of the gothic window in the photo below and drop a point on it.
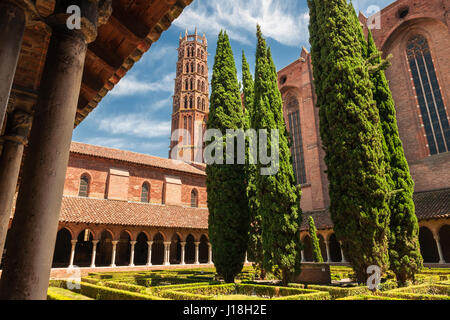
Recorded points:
(187, 67)
(185, 101)
(191, 103)
(184, 122)
(198, 102)
(429, 95)
(187, 84)
(198, 85)
(198, 68)
(298, 161)
(203, 87)
(203, 104)
(192, 84)
(203, 70)
(194, 198)
(192, 67)
(145, 193)
(84, 186)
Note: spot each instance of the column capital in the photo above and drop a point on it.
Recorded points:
(115, 242)
(183, 243)
(18, 127)
(74, 241)
(133, 242)
(167, 243)
(436, 237)
(197, 243)
(95, 242)
(149, 243)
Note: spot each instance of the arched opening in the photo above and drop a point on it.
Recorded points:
(175, 249)
(335, 249)
(63, 246)
(123, 249)
(84, 186)
(203, 87)
(323, 247)
(428, 247)
(141, 250)
(104, 249)
(194, 198)
(158, 249)
(199, 103)
(191, 102)
(185, 102)
(444, 239)
(189, 255)
(145, 192)
(203, 249)
(186, 84)
(83, 249)
(307, 249)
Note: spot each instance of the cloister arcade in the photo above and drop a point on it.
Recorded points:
(86, 246)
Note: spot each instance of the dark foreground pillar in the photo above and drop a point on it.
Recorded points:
(16, 135)
(32, 236)
(12, 27)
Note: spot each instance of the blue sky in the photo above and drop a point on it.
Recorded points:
(136, 114)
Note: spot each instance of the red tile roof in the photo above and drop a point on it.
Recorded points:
(433, 204)
(102, 211)
(138, 158)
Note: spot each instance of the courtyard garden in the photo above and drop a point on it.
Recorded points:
(206, 284)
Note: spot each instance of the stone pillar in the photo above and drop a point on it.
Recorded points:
(113, 255)
(149, 254)
(246, 257)
(133, 243)
(33, 233)
(72, 253)
(303, 255)
(15, 138)
(167, 253)
(12, 26)
(210, 253)
(327, 245)
(438, 245)
(183, 248)
(94, 252)
(196, 252)
(342, 253)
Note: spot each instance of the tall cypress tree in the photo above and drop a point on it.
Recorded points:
(277, 194)
(349, 128)
(226, 183)
(317, 254)
(404, 251)
(255, 242)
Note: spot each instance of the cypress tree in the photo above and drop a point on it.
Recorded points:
(255, 242)
(353, 143)
(404, 251)
(317, 254)
(226, 183)
(277, 194)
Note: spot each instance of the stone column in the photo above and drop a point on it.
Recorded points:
(15, 138)
(303, 255)
(149, 254)
(183, 248)
(113, 255)
(167, 253)
(438, 245)
(33, 233)
(246, 257)
(72, 253)
(94, 252)
(12, 26)
(210, 253)
(133, 243)
(327, 245)
(342, 253)
(196, 252)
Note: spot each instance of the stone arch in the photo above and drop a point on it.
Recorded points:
(175, 249)
(123, 249)
(141, 249)
(190, 249)
(146, 191)
(63, 246)
(335, 249)
(203, 249)
(194, 198)
(158, 249)
(104, 249)
(444, 240)
(83, 248)
(307, 248)
(428, 247)
(84, 184)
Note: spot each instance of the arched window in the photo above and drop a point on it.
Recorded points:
(192, 84)
(198, 84)
(187, 84)
(295, 130)
(203, 86)
(191, 102)
(199, 103)
(194, 198)
(198, 68)
(202, 54)
(203, 70)
(185, 102)
(187, 67)
(429, 95)
(145, 193)
(193, 52)
(203, 104)
(192, 67)
(84, 186)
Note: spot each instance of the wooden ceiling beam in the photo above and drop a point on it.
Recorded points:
(108, 56)
(132, 25)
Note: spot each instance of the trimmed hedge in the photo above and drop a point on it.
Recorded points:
(56, 293)
(156, 290)
(421, 292)
(367, 297)
(337, 292)
(104, 293)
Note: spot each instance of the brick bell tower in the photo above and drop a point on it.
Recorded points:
(190, 100)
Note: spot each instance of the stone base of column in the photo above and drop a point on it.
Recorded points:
(112, 265)
(131, 265)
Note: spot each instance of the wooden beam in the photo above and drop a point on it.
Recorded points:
(106, 54)
(132, 24)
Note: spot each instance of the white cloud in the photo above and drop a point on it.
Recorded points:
(163, 103)
(278, 20)
(135, 125)
(126, 144)
(131, 85)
